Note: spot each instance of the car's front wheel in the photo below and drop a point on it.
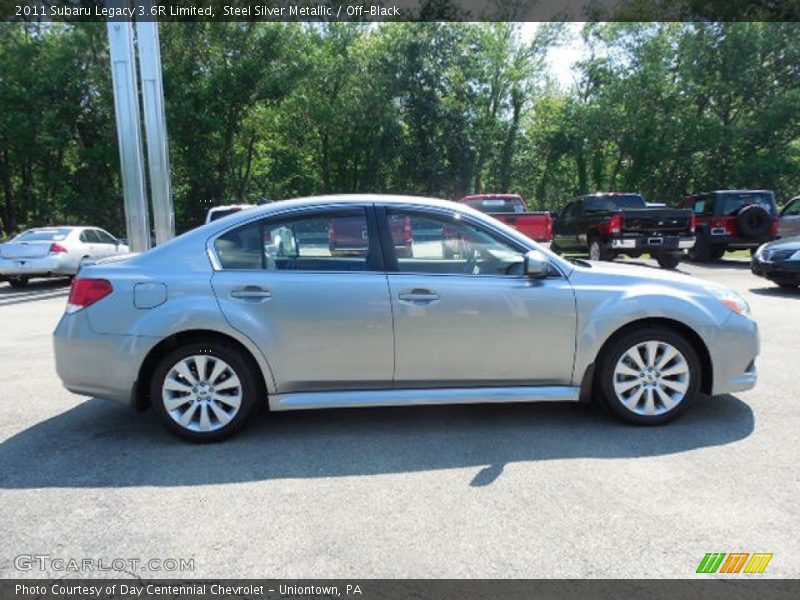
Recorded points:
(205, 392)
(649, 376)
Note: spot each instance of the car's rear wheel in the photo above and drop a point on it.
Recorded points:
(18, 282)
(788, 285)
(649, 376)
(205, 392)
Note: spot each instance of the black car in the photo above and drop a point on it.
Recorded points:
(779, 261)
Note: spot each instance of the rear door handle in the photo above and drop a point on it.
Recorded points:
(251, 292)
(418, 296)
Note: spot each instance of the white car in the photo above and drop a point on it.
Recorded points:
(54, 252)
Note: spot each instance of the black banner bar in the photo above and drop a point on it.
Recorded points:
(403, 10)
(730, 588)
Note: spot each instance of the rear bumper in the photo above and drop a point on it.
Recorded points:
(784, 270)
(100, 365)
(652, 243)
(37, 267)
(735, 242)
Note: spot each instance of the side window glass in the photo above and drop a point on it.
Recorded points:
(104, 237)
(84, 237)
(792, 210)
(425, 243)
(333, 241)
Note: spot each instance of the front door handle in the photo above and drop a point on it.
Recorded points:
(251, 292)
(418, 296)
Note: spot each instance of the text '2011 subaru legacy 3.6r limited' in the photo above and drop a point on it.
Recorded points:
(221, 321)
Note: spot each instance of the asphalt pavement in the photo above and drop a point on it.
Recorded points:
(498, 491)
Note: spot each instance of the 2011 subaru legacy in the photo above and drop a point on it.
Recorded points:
(221, 321)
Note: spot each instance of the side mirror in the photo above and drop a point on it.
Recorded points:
(536, 263)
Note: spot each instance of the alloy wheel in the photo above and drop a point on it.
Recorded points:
(651, 378)
(202, 393)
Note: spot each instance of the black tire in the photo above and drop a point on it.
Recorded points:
(788, 285)
(753, 222)
(251, 390)
(668, 260)
(717, 252)
(18, 282)
(701, 251)
(598, 250)
(618, 346)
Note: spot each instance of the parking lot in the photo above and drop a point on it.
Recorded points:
(509, 491)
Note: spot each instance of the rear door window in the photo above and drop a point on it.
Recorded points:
(320, 241)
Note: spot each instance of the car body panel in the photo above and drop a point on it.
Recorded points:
(778, 261)
(512, 210)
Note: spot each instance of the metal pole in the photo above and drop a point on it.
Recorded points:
(155, 126)
(126, 108)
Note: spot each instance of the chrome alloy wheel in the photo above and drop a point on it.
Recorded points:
(202, 393)
(651, 378)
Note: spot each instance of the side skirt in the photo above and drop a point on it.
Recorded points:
(308, 400)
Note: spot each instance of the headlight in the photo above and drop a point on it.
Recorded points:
(731, 299)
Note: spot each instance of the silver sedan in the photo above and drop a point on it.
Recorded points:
(220, 322)
(54, 252)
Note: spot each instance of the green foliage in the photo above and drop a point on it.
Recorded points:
(442, 109)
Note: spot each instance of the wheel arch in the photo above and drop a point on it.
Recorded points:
(141, 392)
(589, 379)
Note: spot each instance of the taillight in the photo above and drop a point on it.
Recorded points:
(407, 232)
(692, 223)
(773, 230)
(85, 292)
(615, 224)
(56, 248)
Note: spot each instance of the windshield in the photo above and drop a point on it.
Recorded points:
(733, 202)
(42, 235)
(497, 205)
(613, 202)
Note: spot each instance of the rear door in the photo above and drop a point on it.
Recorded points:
(464, 315)
(322, 318)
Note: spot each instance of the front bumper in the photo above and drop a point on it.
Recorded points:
(783, 270)
(37, 267)
(101, 365)
(652, 243)
(733, 355)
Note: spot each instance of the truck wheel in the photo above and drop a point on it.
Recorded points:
(598, 250)
(701, 251)
(668, 260)
(649, 376)
(717, 253)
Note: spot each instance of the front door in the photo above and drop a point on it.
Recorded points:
(464, 314)
(309, 289)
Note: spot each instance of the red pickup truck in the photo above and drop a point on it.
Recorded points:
(512, 210)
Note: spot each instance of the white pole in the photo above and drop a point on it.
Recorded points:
(155, 125)
(126, 108)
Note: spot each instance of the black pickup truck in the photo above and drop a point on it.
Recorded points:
(608, 224)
